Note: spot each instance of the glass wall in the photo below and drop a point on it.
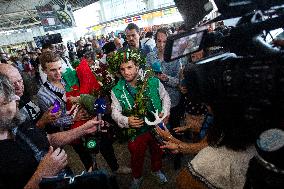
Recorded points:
(113, 9)
(124, 12)
(162, 3)
(88, 15)
(159, 17)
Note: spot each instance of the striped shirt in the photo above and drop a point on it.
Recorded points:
(46, 98)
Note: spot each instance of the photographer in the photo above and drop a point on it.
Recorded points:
(27, 153)
(80, 48)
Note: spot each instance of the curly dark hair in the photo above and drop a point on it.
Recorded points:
(237, 126)
(161, 30)
(48, 57)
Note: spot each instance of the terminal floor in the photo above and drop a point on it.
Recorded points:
(149, 182)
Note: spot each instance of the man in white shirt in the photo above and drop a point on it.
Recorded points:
(148, 40)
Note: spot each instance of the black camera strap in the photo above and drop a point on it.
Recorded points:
(38, 154)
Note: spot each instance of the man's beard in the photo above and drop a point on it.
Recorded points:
(9, 124)
(133, 45)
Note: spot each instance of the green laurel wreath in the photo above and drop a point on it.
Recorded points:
(126, 55)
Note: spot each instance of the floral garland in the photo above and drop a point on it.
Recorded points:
(104, 77)
(120, 57)
(141, 102)
(141, 98)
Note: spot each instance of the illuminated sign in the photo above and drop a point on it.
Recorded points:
(148, 16)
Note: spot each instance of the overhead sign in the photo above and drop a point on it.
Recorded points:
(55, 17)
(161, 13)
(148, 16)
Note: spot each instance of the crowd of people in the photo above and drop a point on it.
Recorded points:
(51, 97)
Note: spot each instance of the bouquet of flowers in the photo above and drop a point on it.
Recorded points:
(104, 77)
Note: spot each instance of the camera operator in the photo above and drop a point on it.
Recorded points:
(80, 48)
(244, 92)
(71, 51)
(27, 153)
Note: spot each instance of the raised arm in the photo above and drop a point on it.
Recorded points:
(65, 137)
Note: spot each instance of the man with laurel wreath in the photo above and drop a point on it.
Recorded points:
(135, 98)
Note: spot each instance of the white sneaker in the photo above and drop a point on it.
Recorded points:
(123, 170)
(136, 183)
(161, 177)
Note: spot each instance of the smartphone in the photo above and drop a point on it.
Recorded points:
(162, 126)
(56, 106)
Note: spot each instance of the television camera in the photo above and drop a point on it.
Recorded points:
(249, 70)
(243, 84)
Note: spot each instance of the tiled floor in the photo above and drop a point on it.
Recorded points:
(149, 181)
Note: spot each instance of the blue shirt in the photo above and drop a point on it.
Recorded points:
(172, 70)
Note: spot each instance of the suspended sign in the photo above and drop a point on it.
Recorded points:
(55, 17)
(148, 16)
(161, 13)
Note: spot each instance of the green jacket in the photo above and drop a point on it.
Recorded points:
(126, 100)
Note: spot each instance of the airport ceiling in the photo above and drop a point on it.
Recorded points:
(18, 14)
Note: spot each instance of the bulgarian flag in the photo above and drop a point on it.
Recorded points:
(77, 84)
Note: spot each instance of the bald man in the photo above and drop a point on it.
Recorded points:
(118, 43)
(26, 106)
